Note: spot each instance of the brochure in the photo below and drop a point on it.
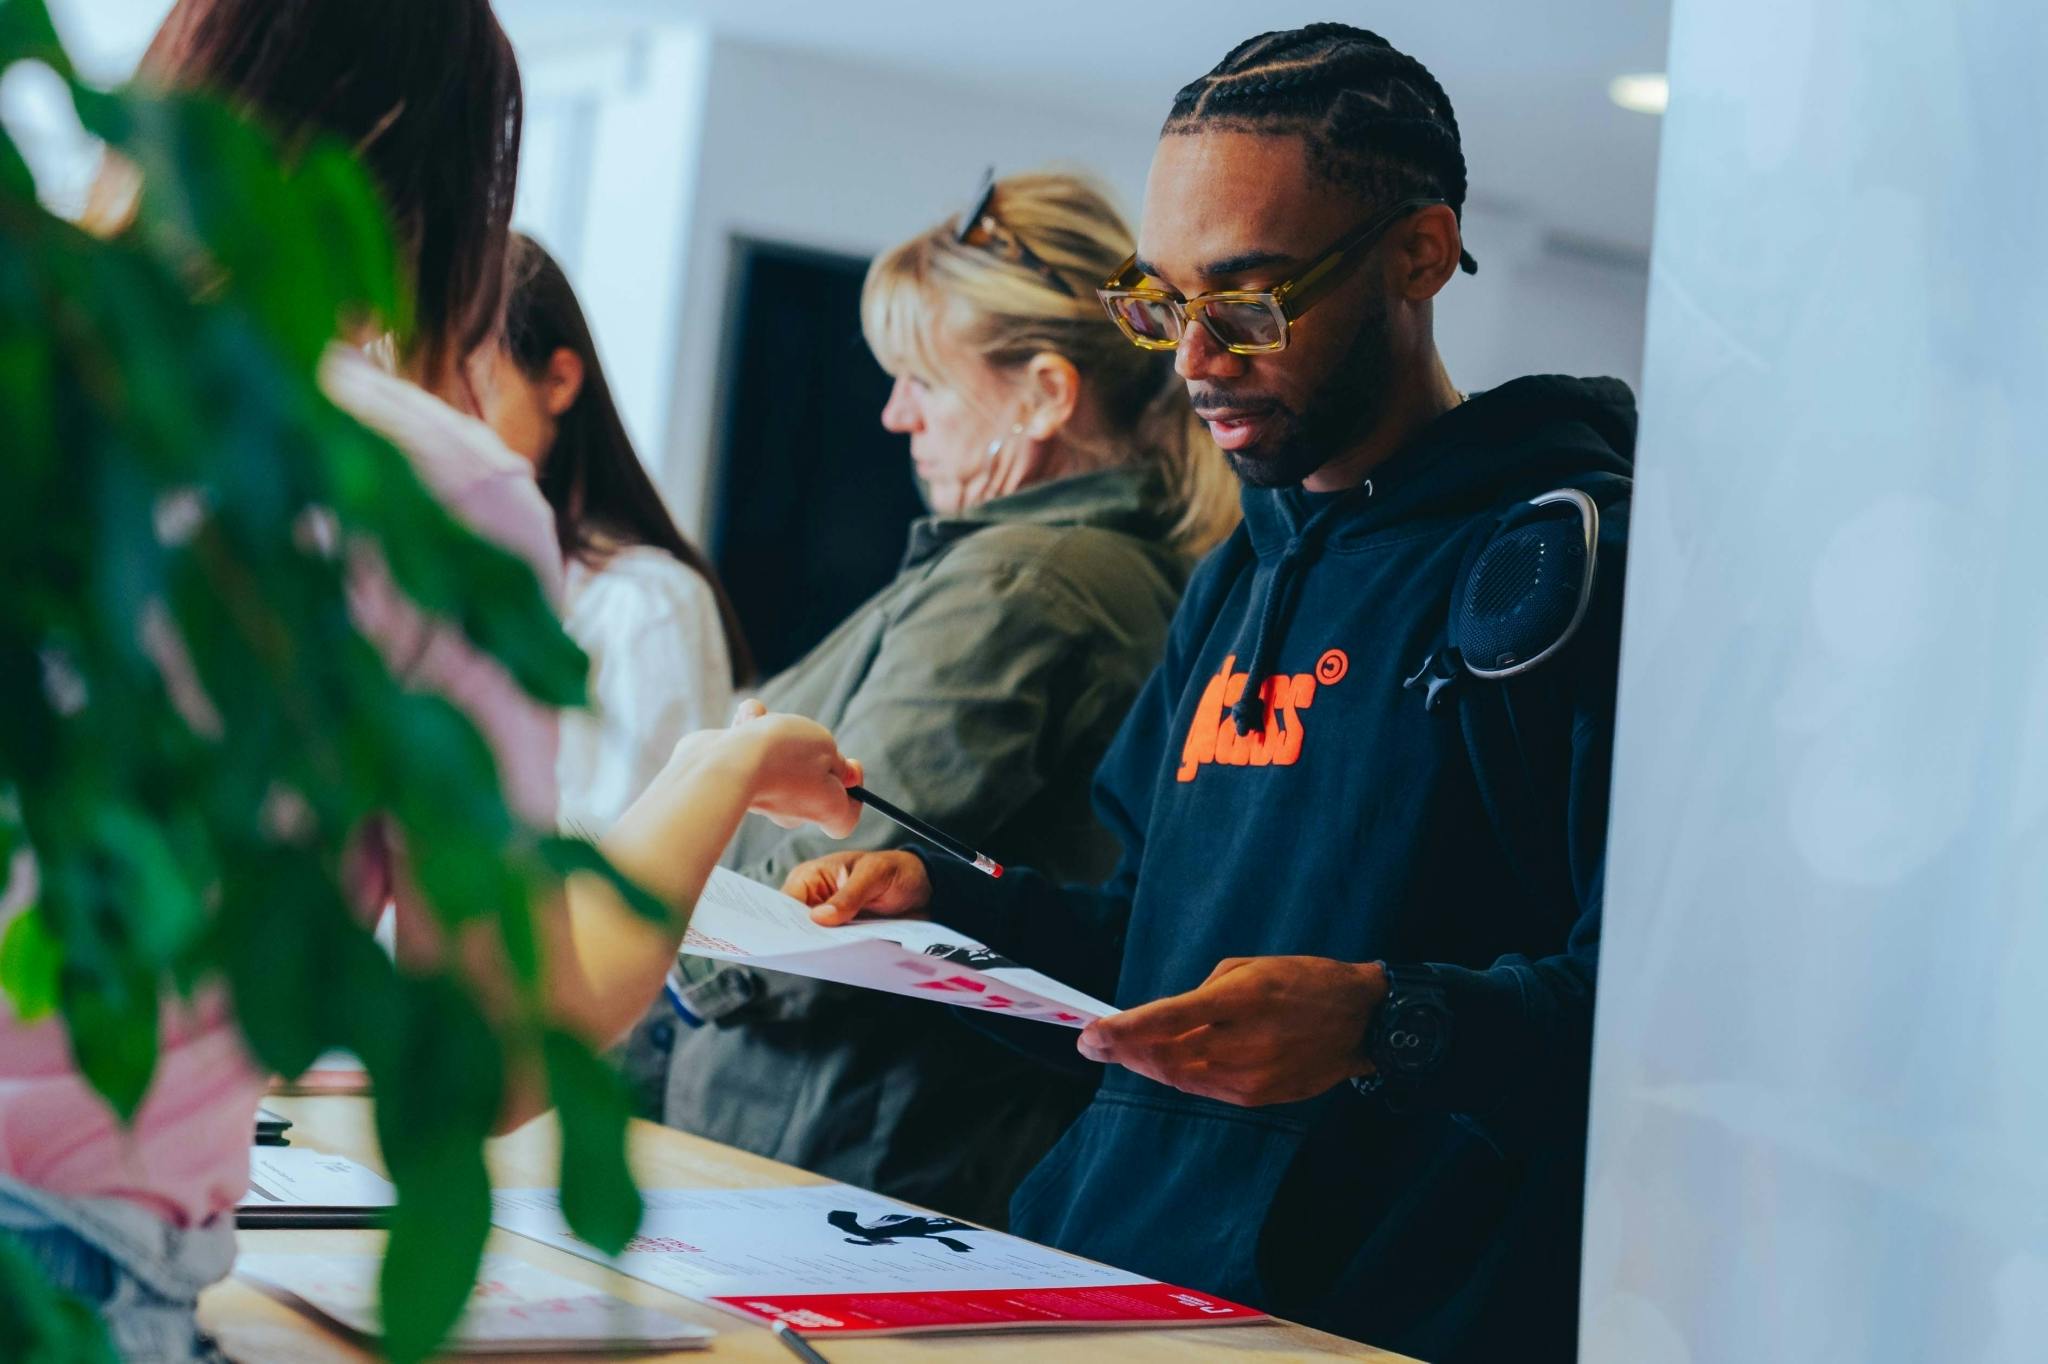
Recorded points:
(515, 1308)
(831, 1259)
(290, 1186)
(743, 921)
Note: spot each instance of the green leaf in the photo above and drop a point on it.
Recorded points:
(598, 1196)
(40, 1323)
(26, 34)
(447, 1084)
(357, 233)
(436, 1102)
(437, 1242)
(13, 835)
(112, 1022)
(164, 911)
(442, 770)
(17, 181)
(180, 356)
(31, 961)
(363, 1001)
(28, 381)
(281, 920)
(569, 856)
(491, 596)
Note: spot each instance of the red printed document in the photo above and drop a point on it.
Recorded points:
(744, 921)
(834, 1260)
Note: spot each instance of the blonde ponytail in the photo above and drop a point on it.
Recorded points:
(1201, 484)
(1005, 312)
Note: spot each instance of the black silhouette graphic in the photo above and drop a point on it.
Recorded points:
(975, 958)
(893, 1227)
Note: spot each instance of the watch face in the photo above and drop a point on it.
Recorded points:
(1416, 1035)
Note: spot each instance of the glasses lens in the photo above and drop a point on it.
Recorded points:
(1148, 319)
(1246, 324)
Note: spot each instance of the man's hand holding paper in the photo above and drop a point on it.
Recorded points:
(841, 886)
(739, 920)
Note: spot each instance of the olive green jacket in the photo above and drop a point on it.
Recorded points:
(979, 690)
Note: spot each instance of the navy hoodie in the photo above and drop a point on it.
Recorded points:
(1352, 822)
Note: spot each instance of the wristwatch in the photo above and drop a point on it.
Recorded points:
(1410, 1035)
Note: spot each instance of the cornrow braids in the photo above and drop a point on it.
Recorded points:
(1374, 118)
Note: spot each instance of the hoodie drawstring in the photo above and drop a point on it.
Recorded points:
(1249, 711)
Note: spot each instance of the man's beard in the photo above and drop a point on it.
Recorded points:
(1350, 403)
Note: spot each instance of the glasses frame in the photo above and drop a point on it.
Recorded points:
(1284, 302)
(999, 239)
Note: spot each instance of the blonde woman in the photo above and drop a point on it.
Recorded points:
(1071, 491)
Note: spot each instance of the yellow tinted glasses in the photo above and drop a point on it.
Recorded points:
(1243, 321)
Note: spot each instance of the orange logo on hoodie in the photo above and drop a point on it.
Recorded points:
(1213, 736)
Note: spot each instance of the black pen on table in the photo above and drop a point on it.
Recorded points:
(944, 842)
(798, 1346)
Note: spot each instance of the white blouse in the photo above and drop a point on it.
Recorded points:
(659, 669)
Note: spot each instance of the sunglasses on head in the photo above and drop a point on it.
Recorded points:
(1242, 321)
(980, 227)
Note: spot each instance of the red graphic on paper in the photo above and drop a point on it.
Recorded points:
(1094, 1305)
(953, 983)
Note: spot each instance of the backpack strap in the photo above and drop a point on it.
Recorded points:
(1504, 564)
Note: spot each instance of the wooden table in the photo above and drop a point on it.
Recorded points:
(255, 1329)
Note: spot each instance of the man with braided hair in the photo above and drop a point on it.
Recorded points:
(1363, 800)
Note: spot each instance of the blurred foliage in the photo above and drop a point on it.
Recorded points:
(193, 736)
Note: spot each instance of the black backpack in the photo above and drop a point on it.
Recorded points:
(1538, 575)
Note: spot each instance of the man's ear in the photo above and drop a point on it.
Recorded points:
(1054, 387)
(1425, 252)
(563, 382)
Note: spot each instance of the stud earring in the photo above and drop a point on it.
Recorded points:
(995, 447)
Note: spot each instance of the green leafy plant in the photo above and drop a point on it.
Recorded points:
(193, 735)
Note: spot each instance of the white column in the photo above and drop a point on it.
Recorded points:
(1820, 1118)
(608, 181)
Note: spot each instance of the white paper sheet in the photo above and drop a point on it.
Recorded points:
(515, 1307)
(743, 921)
(711, 1243)
(283, 1178)
(836, 1260)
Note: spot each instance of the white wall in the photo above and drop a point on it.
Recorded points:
(836, 156)
(1820, 1117)
(1540, 305)
(824, 154)
(607, 178)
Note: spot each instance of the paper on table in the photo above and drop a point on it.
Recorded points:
(515, 1307)
(741, 920)
(292, 1185)
(838, 1259)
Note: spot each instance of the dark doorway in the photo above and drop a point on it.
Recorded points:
(814, 498)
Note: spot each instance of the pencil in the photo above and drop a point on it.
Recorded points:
(944, 842)
(798, 1346)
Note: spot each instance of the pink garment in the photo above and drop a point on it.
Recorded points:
(187, 1156)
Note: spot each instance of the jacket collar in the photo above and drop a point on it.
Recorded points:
(1130, 499)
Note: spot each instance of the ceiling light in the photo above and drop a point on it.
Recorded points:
(1645, 93)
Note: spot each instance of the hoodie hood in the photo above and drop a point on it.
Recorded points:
(1499, 446)
(1544, 430)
